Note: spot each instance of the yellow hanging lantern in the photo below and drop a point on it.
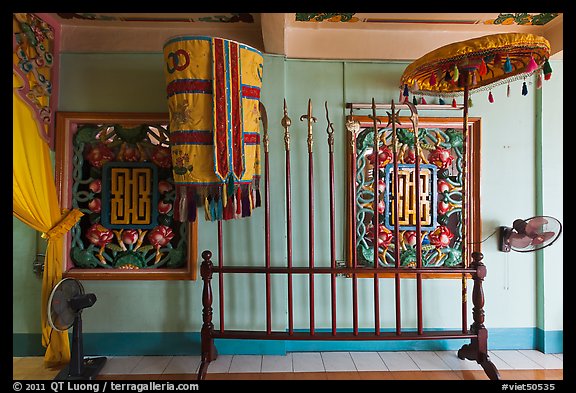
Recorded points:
(213, 89)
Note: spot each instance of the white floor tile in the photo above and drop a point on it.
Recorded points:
(559, 356)
(330, 361)
(220, 365)
(120, 365)
(517, 360)
(498, 362)
(453, 361)
(368, 361)
(152, 365)
(183, 365)
(307, 362)
(246, 364)
(398, 361)
(338, 361)
(428, 360)
(277, 364)
(546, 360)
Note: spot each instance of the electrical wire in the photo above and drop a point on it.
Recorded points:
(489, 236)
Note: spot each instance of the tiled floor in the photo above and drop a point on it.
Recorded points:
(322, 365)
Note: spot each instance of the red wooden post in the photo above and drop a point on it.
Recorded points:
(209, 352)
(376, 218)
(465, 183)
(353, 126)
(221, 276)
(286, 122)
(478, 347)
(393, 119)
(266, 143)
(414, 120)
(330, 132)
(310, 141)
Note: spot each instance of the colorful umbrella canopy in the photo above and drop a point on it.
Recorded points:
(477, 64)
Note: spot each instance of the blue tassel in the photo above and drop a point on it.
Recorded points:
(524, 89)
(212, 203)
(507, 65)
(406, 91)
(441, 101)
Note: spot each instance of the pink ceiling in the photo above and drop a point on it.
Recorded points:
(300, 35)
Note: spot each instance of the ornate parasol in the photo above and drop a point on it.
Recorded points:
(477, 64)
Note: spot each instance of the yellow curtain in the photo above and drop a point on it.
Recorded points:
(35, 203)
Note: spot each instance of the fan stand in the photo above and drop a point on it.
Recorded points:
(80, 368)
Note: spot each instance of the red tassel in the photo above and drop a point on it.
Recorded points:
(423, 101)
(532, 66)
(454, 105)
(433, 79)
(238, 201)
(490, 97)
(482, 70)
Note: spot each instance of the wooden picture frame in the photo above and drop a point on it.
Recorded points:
(67, 126)
(472, 185)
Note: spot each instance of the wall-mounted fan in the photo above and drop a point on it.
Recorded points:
(65, 305)
(530, 234)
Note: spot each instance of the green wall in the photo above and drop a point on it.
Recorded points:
(135, 83)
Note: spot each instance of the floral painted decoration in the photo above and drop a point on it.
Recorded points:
(94, 246)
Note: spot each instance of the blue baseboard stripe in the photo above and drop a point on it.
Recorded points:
(188, 343)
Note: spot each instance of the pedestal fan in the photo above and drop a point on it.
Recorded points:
(65, 305)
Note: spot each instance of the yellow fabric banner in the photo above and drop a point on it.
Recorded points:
(35, 203)
(213, 91)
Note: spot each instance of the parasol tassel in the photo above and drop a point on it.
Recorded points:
(474, 79)
(447, 77)
(547, 70)
(490, 98)
(524, 89)
(482, 70)
(469, 102)
(532, 66)
(441, 101)
(415, 86)
(401, 98)
(423, 101)
(508, 90)
(433, 79)
(454, 104)
(507, 65)
(414, 100)
(456, 74)
(406, 90)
